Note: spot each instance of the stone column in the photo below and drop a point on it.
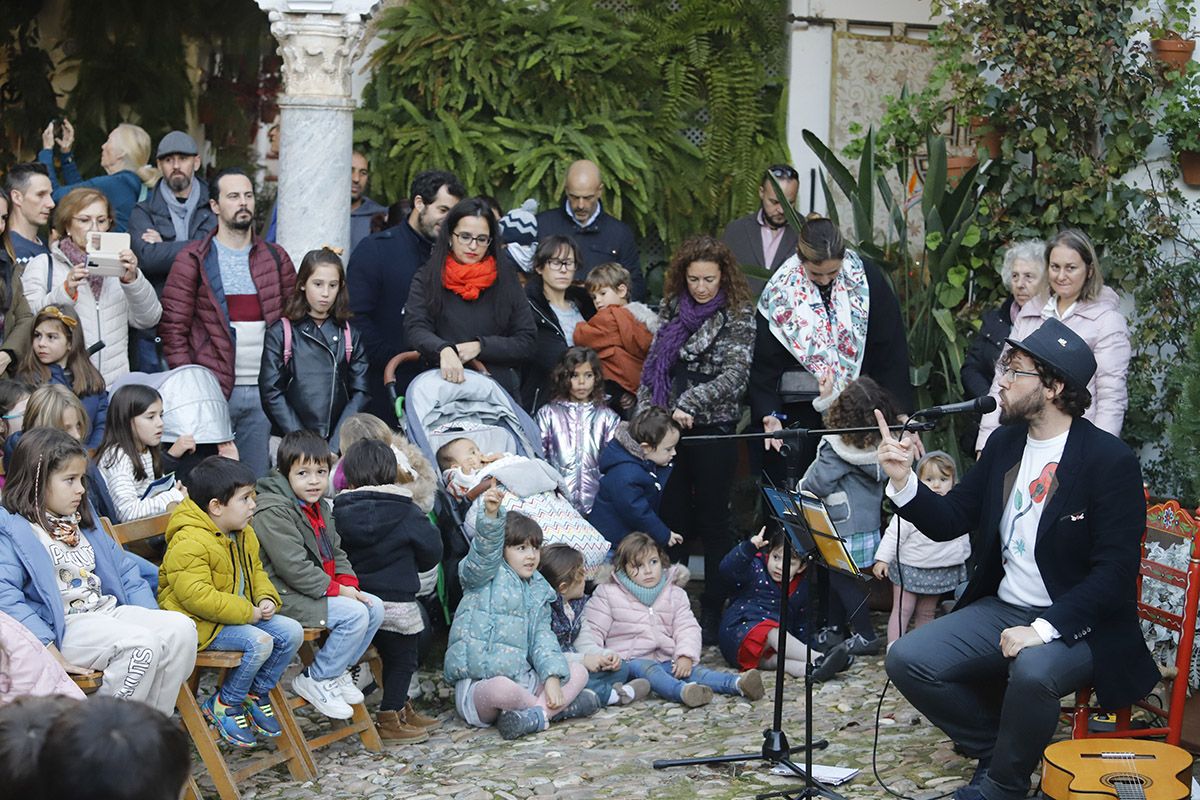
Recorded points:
(316, 110)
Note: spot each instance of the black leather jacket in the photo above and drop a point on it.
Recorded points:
(318, 388)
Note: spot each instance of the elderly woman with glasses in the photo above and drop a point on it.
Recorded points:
(464, 306)
(107, 305)
(558, 306)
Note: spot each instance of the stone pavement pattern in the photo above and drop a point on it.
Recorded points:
(609, 755)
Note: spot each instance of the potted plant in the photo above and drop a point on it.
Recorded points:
(1170, 34)
(1180, 123)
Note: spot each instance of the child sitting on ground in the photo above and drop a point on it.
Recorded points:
(647, 620)
(620, 331)
(389, 542)
(503, 657)
(921, 570)
(846, 475)
(532, 487)
(608, 675)
(634, 468)
(302, 555)
(212, 572)
(749, 636)
(68, 582)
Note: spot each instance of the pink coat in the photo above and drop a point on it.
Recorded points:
(26, 666)
(618, 621)
(1101, 324)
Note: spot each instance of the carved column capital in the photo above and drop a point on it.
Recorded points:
(316, 41)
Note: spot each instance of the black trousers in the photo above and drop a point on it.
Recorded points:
(398, 651)
(695, 504)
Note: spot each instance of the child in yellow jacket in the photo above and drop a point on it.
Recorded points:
(212, 572)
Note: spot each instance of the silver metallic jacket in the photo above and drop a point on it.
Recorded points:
(573, 434)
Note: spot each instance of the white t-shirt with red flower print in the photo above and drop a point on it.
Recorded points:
(1022, 584)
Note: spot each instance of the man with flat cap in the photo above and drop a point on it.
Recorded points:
(175, 212)
(1058, 508)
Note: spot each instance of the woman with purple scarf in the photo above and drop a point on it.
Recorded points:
(698, 367)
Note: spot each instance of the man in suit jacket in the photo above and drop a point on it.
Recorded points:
(763, 238)
(1059, 509)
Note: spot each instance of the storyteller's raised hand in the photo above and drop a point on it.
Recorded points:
(895, 455)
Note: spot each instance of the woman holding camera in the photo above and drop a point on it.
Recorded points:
(107, 305)
(124, 156)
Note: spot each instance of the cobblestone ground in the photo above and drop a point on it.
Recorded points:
(610, 754)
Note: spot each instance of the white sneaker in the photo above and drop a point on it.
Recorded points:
(347, 690)
(323, 696)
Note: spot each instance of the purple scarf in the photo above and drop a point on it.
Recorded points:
(664, 353)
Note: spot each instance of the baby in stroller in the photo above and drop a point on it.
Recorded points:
(531, 486)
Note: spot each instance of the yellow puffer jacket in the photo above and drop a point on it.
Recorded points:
(200, 573)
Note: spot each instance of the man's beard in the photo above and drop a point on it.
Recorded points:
(426, 228)
(239, 224)
(178, 183)
(1024, 410)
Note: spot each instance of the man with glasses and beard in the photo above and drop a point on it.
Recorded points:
(222, 294)
(176, 212)
(762, 238)
(1058, 510)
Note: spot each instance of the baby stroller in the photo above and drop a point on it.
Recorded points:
(430, 413)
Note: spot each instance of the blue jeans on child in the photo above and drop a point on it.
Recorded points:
(664, 684)
(601, 682)
(267, 648)
(352, 625)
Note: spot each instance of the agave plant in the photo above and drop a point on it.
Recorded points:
(930, 282)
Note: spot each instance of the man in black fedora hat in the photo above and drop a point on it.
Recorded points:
(1058, 508)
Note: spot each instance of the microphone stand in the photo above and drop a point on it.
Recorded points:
(775, 748)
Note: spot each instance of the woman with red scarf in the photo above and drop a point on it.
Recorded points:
(463, 306)
(698, 367)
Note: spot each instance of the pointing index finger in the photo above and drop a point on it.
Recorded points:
(884, 432)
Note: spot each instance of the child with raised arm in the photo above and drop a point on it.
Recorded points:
(608, 675)
(503, 657)
(302, 554)
(634, 468)
(646, 619)
(390, 542)
(920, 569)
(750, 631)
(212, 572)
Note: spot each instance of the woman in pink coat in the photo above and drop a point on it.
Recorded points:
(642, 616)
(1079, 298)
(27, 667)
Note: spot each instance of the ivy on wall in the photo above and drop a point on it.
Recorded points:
(507, 92)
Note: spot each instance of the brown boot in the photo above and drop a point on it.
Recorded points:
(410, 717)
(392, 728)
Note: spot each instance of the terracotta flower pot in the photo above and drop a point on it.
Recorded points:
(1174, 52)
(986, 135)
(957, 166)
(1189, 165)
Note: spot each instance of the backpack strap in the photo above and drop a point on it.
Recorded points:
(349, 347)
(287, 340)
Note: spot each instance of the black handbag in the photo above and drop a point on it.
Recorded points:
(798, 385)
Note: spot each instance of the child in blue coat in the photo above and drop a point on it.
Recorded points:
(503, 657)
(749, 636)
(634, 467)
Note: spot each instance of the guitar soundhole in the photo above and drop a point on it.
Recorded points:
(1126, 782)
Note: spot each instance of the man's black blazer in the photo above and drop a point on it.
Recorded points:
(1088, 545)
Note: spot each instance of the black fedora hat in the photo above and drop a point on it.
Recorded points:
(1061, 349)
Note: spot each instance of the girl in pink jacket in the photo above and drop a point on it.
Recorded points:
(647, 620)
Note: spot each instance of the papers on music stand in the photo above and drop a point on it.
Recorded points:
(810, 528)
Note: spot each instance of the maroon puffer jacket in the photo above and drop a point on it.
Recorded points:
(195, 325)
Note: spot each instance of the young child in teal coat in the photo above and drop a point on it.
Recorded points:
(503, 657)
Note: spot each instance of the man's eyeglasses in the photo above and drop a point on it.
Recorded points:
(466, 239)
(1008, 373)
(784, 171)
(561, 265)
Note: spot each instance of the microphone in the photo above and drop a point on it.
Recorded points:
(980, 405)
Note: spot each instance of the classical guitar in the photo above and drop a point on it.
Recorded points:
(1127, 769)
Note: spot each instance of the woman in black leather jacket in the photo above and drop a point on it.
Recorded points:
(314, 366)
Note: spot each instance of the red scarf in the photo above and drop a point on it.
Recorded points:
(468, 280)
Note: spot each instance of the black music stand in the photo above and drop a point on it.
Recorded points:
(815, 544)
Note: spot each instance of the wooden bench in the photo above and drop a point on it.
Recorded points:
(360, 724)
(290, 747)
